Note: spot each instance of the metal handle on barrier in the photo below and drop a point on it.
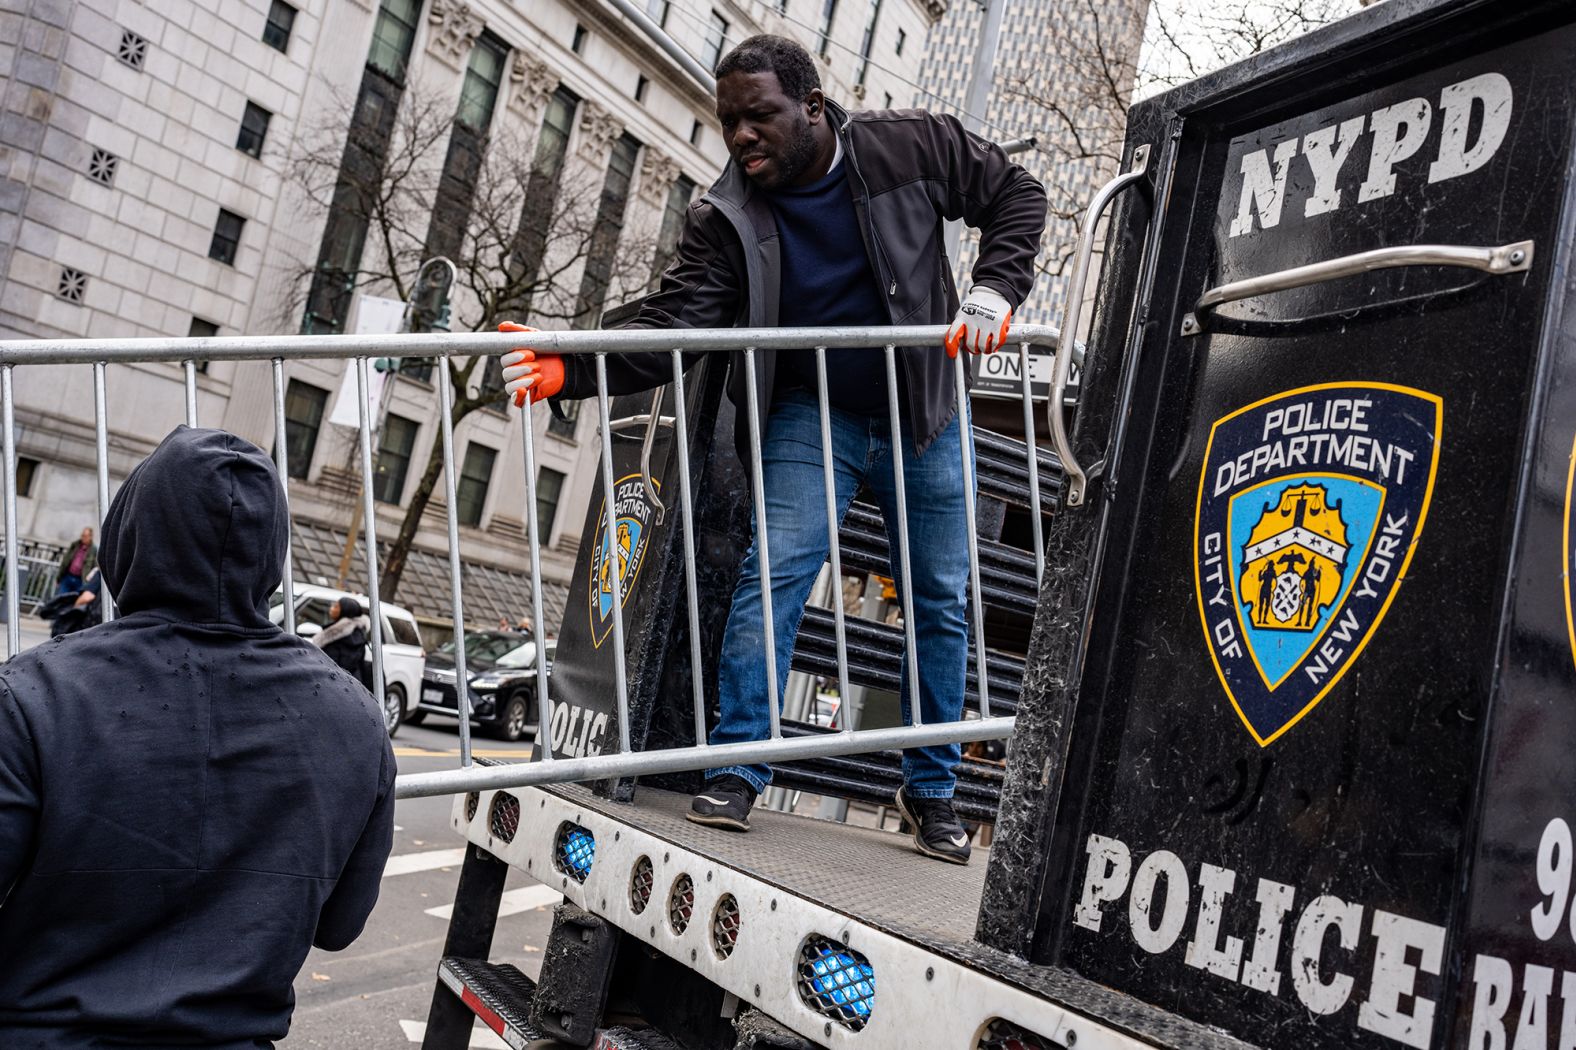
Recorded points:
(655, 420)
(1076, 479)
(1507, 258)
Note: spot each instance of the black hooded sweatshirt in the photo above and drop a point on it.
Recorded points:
(189, 796)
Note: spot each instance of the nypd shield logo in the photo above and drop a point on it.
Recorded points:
(1310, 505)
(623, 553)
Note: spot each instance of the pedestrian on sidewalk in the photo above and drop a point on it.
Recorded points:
(78, 560)
(190, 797)
(824, 217)
(344, 640)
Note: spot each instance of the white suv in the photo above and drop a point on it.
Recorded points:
(403, 656)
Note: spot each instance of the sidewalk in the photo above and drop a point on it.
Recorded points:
(34, 630)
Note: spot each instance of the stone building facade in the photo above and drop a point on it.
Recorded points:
(1083, 54)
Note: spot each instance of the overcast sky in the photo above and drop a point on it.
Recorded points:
(1188, 38)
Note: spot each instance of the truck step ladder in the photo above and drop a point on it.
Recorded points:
(498, 993)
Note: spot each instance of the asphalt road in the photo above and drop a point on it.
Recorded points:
(374, 995)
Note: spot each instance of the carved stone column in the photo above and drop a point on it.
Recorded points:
(657, 174)
(454, 31)
(532, 84)
(598, 129)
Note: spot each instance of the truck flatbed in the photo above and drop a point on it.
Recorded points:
(792, 879)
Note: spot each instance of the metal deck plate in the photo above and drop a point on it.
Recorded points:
(869, 875)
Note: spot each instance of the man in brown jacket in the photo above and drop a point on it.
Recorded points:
(830, 218)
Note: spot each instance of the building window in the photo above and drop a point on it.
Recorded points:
(824, 34)
(226, 237)
(102, 165)
(395, 443)
(565, 427)
(578, 44)
(475, 476)
(254, 129)
(26, 471)
(541, 192)
(392, 37)
(349, 211)
(606, 231)
(200, 328)
(483, 74)
(716, 39)
(641, 84)
(658, 11)
(303, 418)
(73, 284)
(782, 7)
(867, 41)
(549, 487)
(276, 31)
(133, 49)
(672, 225)
(695, 132)
(902, 38)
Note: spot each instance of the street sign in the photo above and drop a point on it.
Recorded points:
(1001, 374)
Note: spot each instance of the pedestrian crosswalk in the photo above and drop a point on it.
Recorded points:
(513, 901)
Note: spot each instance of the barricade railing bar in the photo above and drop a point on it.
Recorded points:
(98, 353)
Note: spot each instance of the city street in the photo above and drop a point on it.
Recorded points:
(374, 994)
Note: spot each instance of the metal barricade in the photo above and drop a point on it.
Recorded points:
(98, 353)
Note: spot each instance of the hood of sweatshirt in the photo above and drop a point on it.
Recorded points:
(198, 532)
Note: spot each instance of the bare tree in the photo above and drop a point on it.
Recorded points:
(1096, 60)
(527, 228)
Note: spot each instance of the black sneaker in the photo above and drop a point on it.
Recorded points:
(937, 831)
(724, 803)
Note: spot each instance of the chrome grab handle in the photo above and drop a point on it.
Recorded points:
(1507, 258)
(1076, 480)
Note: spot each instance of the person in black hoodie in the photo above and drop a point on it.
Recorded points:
(190, 797)
(344, 640)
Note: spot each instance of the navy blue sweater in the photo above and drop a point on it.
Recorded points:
(827, 280)
(189, 797)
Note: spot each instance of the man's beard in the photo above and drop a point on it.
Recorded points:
(797, 155)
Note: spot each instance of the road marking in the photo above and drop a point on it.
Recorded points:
(427, 860)
(484, 1038)
(512, 902)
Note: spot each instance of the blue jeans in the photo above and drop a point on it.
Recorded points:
(795, 487)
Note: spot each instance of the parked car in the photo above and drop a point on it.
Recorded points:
(501, 666)
(403, 655)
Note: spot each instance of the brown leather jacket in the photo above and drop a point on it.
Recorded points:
(910, 171)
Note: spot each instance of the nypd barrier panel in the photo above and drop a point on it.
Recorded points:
(646, 552)
(1285, 783)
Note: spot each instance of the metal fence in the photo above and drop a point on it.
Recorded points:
(97, 353)
(39, 569)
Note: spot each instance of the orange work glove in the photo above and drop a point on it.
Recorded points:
(982, 323)
(528, 373)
